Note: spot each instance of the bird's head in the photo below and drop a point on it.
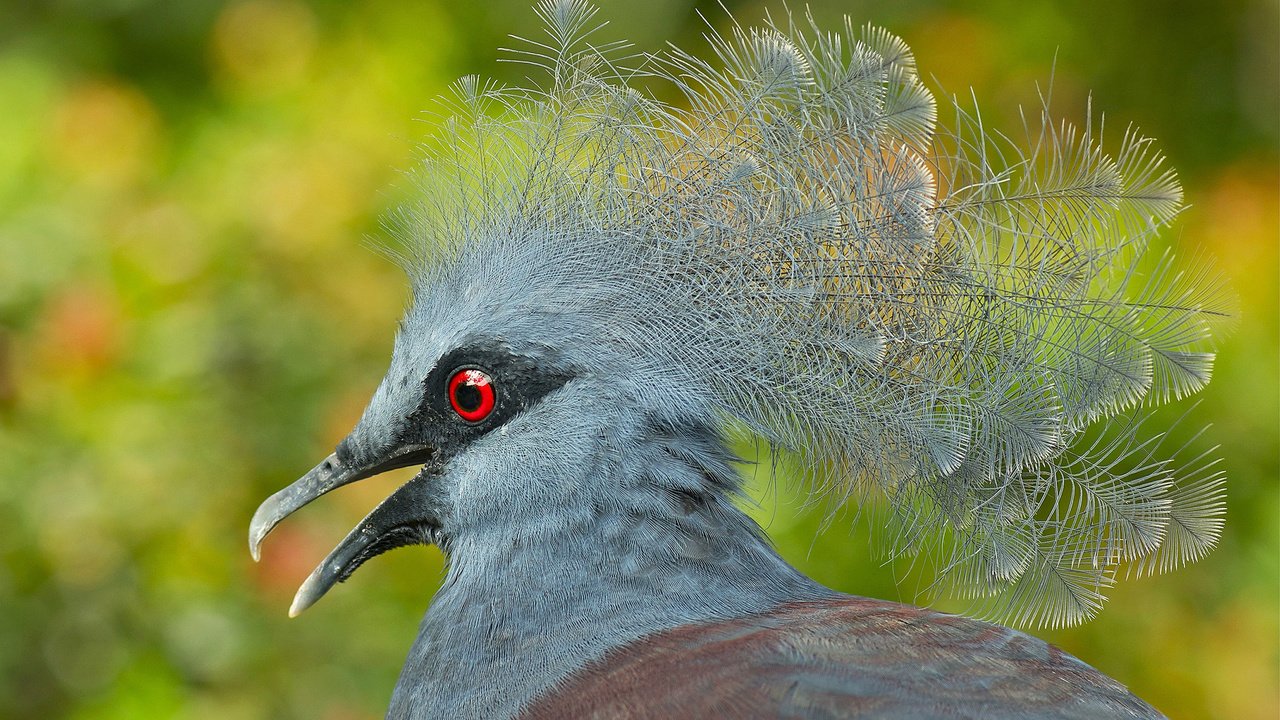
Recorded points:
(500, 384)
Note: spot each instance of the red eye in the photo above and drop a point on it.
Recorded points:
(471, 394)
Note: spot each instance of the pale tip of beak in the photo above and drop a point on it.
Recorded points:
(298, 605)
(309, 593)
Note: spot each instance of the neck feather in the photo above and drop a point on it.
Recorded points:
(526, 607)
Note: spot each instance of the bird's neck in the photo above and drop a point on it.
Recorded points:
(523, 609)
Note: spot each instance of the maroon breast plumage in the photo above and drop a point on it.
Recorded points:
(840, 658)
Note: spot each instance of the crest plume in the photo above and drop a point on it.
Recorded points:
(938, 322)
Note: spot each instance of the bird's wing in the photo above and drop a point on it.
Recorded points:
(841, 658)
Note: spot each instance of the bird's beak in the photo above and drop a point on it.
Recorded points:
(334, 473)
(404, 518)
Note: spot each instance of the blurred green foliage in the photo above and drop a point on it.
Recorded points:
(188, 320)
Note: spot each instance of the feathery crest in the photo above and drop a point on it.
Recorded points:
(929, 319)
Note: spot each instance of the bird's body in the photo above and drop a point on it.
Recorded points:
(607, 289)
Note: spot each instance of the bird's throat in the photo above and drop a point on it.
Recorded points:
(557, 595)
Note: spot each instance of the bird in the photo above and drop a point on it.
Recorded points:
(621, 304)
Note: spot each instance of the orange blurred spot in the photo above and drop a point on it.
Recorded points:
(343, 415)
(104, 133)
(1240, 216)
(959, 47)
(968, 53)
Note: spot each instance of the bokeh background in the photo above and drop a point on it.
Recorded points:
(190, 318)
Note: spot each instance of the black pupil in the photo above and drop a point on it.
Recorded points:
(467, 396)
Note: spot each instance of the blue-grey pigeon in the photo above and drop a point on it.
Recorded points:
(614, 295)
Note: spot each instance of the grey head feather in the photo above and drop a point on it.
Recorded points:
(931, 322)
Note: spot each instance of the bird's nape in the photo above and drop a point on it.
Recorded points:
(959, 330)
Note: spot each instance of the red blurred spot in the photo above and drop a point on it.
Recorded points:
(289, 555)
(81, 330)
